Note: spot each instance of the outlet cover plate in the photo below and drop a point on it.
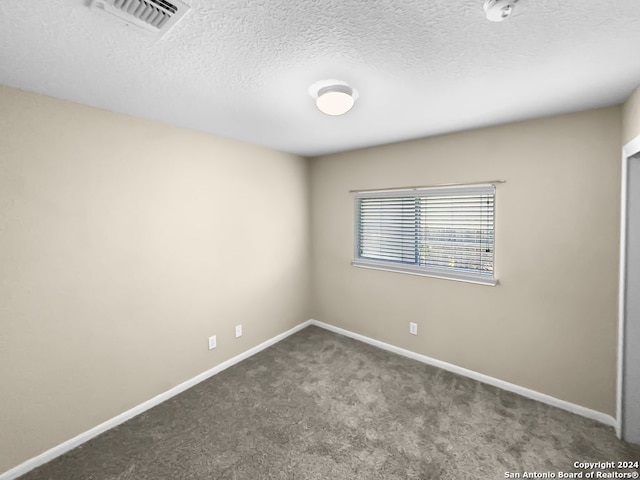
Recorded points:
(238, 331)
(213, 343)
(413, 328)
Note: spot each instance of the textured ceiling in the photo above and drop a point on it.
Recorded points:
(242, 68)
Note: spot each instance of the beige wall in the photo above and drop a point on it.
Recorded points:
(550, 324)
(124, 244)
(631, 117)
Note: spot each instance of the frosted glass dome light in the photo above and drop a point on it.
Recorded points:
(335, 99)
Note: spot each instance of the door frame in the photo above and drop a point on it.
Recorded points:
(628, 150)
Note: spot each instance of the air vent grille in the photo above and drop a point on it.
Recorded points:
(151, 15)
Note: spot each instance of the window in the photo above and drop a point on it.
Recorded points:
(445, 232)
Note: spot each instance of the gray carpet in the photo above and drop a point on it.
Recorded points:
(321, 406)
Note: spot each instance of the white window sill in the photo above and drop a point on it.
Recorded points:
(424, 272)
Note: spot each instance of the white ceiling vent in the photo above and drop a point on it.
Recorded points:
(156, 16)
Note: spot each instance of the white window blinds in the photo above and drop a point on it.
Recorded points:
(444, 232)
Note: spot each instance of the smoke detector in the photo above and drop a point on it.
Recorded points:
(156, 16)
(498, 10)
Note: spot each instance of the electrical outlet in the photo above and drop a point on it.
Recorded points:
(213, 343)
(238, 331)
(413, 328)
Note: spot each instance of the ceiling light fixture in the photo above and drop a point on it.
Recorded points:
(498, 10)
(335, 100)
(333, 97)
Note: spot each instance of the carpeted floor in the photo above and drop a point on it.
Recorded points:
(321, 406)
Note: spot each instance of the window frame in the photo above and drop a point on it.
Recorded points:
(422, 270)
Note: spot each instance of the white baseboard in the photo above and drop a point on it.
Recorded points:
(510, 387)
(123, 417)
(137, 410)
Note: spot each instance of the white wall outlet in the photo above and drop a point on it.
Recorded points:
(213, 343)
(413, 328)
(238, 331)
